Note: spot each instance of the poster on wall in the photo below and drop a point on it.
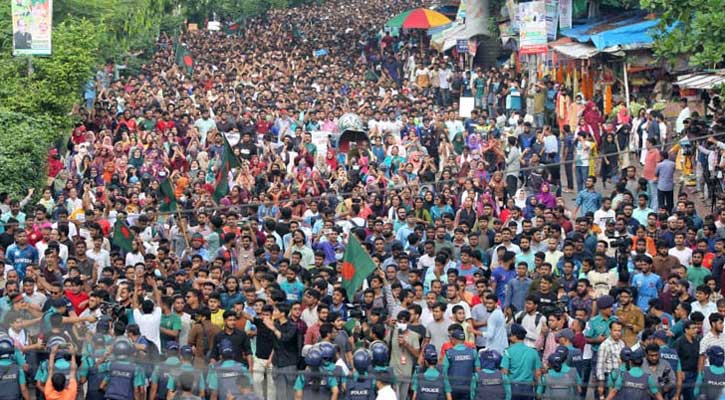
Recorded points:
(476, 18)
(32, 26)
(532, 35)
(552, 18)
(565, 14)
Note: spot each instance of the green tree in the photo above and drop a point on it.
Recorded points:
(691, 27)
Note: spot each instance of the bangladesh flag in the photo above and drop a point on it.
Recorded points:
(236, 27)
(357, 265)
(122, 236)
(183, 57)
(229, 161)
(167, 199)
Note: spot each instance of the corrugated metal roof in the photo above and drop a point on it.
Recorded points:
(701, 80)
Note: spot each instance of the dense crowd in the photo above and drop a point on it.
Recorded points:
(488, 281)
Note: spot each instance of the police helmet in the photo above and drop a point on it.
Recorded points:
(61, 344)
(556, 360)
(637, 356)
(563, 351)
(327, 351)
(313, 358)
(7, 347)
(99, 340)
(122, 348)
(625, 354)
(361, 360)
(380, 353)
(490, 359)
(716, 355)
(430, 354)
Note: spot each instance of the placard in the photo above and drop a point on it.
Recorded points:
(552, 18)
(465, 106)
(565, 14)
(32, 27)
(462, 45)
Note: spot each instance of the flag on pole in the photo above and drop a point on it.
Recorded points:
(167, 199)
(183, 57)
(123, 236)
(357, 265)
(229, 161)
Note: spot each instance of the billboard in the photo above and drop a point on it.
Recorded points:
(532, 28)
(32, 27)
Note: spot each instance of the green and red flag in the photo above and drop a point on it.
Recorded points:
(167, 199)
(357, 265)
(236, 27)
(229, 161)
(123, 236)
(183, 58)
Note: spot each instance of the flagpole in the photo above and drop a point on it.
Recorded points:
(183, 230)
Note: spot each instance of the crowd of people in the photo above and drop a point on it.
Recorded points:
(490, 280)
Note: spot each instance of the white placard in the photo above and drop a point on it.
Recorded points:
(465, 106)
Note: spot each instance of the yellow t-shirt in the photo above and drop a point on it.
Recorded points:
(217, 318)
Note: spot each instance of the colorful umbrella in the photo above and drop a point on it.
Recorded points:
(418, 18)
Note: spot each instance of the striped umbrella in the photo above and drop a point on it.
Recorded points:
(418, 18)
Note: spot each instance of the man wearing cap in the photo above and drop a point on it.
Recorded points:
(574, 359)
(597, 329)
(715, 337)
(671, 357)
(196, 247)
(711, 381)
(228, 377)
(459, 363)
(198, 384)
(635, 383)
(521, 364)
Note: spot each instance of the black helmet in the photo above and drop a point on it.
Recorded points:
(637, 355)
(313, 358)
(490, 359)
(361, 360)
(380, 353)
(556, 360)
(7, 347)
(122, 348)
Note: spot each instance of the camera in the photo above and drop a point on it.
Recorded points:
(113, 310)
(621, 243)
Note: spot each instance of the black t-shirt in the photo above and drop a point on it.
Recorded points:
(240, 345)
(265, 338)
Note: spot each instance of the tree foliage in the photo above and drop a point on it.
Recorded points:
(694, 28)
(23, 151)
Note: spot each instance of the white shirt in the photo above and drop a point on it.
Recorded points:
(706, 310)
(462, 303)
(102, 259)
(684, 255)
(533, 330)
(680, 123)
(185, 328)
(309, 315)
(386, 393)
(601, 217)
(149, 325)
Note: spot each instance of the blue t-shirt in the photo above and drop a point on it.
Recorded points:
(502, 277)
(21, 257)
(648, 287)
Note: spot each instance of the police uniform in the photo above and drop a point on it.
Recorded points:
(122, 379)
(359, 387)
(62, 366)
(430, 384)
(559, 384)
(521, 361)
(162, 374)
(315, 384)
(710, 383)
(199, 381)
(459, 365)
(489, 384)
(94, 372)
(635, 384)
(227, 377)
(12, 378)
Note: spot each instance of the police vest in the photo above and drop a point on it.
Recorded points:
(712, 385)
(163, 373)
(461, 365)
(489, 385)
(317, 385)
(230, 379)
(430, 390)
(634, 388)
(561, 387)
(9, 382)
(94, 377)
(120, 381)
(670, 355)
(360, 389)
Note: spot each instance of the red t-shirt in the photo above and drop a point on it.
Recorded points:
(76, 300)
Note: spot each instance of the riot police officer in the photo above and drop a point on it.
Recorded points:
(459, 364)
(489, 382)
(12, 376)
(125, 378)
(430, 384)
(625, 356)
(315, 382)
(710, 383)
(381, 358)
(91, 371)
(228, 377)
(561, 381)
(61, 362)
(198, 384)
(163, 373)
(360, 386)
(635, 384)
